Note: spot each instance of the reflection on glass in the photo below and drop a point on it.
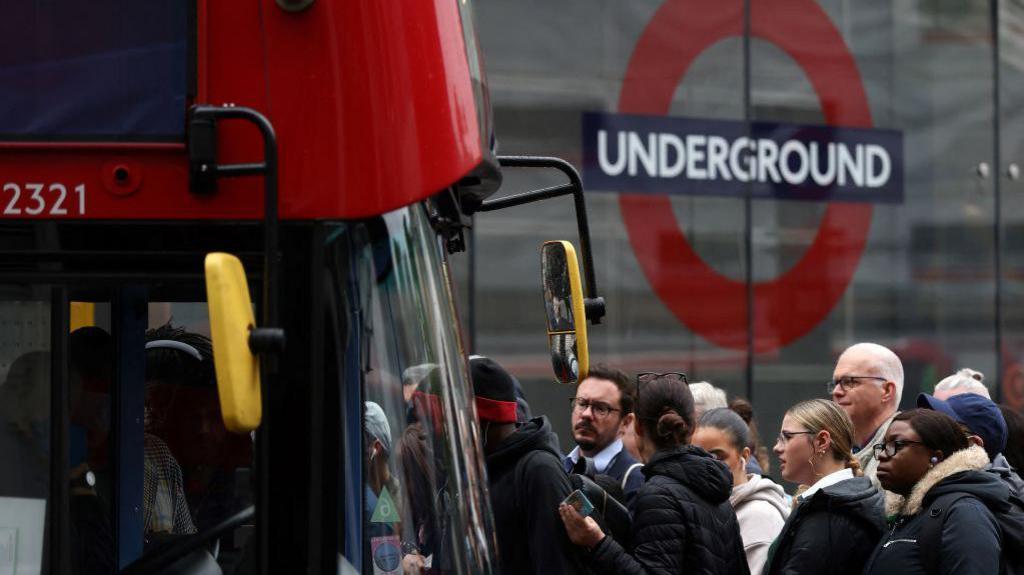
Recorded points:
(563, 357)
(557, 289)
(423, 505)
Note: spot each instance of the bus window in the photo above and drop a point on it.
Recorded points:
(197, 472)
(24, 426)
(422, 497)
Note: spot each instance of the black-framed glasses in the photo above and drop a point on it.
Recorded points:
(785, 436)
(848, 382)
(598, 408)
(891, 448)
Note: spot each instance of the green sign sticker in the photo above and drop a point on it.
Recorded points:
(385, 511)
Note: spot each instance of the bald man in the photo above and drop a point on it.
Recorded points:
(868, 383)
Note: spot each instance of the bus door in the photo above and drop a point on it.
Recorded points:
(111, 442)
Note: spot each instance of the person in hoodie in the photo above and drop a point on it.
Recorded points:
(759, 502)
(925, 455)
(985, 426)
(682, 520)
(525, 476)
(838, 520)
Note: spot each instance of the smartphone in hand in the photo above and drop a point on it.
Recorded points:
(580, 503)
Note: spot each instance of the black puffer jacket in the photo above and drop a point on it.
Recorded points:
(970, 539)
(682, 521)
(833, 531)
(527, 483)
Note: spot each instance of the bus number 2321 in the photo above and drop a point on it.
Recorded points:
(42, 199)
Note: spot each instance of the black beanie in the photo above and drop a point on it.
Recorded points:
(494, 389)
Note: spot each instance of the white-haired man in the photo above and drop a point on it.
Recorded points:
(706, 397)
(868, 383)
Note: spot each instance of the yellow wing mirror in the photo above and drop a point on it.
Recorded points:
(565, 310)
(231, 320)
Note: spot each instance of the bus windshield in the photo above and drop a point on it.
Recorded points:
(422, 490)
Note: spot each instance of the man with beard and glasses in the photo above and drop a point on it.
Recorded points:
(601, 411)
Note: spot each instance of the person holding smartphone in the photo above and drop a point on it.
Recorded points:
(682, 519)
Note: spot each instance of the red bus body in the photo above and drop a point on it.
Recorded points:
(372, 103)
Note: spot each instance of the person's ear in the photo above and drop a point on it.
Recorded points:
(888, 391)
(976, 440)
(627, 420)
(822, 442)
(745, 454)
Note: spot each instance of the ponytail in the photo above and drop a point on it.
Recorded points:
(853, 464)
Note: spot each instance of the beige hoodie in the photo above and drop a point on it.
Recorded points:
(761, 510)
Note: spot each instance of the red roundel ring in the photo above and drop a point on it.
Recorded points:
(709, 303)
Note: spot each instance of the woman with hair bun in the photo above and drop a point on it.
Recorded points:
(760, 504)
(837, 520)
(682, 519)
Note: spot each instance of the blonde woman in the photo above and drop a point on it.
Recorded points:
(839, 519)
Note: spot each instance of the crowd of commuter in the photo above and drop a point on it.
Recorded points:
(928, 490)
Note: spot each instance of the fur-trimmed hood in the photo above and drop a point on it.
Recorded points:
(939, 480)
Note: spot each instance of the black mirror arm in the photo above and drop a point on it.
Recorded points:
(595, 305)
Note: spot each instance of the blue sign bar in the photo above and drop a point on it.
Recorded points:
(671, 155)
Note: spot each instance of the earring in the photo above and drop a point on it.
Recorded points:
(933, 461)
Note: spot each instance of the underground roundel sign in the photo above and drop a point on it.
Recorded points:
(709, 303)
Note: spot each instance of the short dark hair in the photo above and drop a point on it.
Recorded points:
(173, 366)
(937, 430)
(627, 388)
(667, 412)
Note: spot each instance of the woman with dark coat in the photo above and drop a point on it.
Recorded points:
(937, 483)
(839, 519)
(682, 519)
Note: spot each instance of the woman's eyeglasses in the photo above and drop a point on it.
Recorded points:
(891, 448)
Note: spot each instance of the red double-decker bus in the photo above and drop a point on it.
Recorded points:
(331, 154)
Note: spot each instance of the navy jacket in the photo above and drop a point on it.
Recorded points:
(618, 467)
(970, 537)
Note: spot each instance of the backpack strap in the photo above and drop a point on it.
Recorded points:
(625, 476)
(929, 539)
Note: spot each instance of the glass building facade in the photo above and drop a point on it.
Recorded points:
(760, 295)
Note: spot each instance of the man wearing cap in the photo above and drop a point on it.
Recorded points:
(982, 420)
(526, 478)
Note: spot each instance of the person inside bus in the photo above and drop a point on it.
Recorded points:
(183, 410)
(25, 427)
